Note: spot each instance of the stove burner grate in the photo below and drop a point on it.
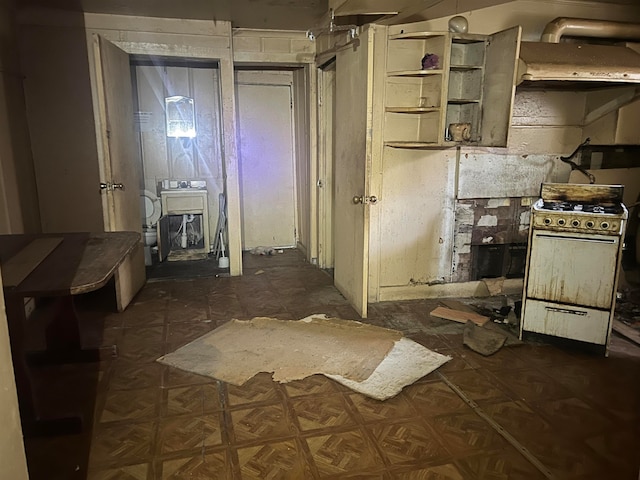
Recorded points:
(558, 206)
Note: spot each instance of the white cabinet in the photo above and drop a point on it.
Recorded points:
(461, 94)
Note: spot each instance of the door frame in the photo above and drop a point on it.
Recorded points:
(305, 154)
(224, 57)
(326, 73)
(215, 43)
(294, 146)
(378, 72)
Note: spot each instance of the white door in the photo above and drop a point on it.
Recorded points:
(120, 157)
(267, 175)
(352, 176)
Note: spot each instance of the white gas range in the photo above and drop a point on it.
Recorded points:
(573, 262)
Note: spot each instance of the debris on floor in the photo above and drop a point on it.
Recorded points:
(482, 340)
(265, 251)
(375, 361)
(487, 329)
(459, 316)
(494, 285)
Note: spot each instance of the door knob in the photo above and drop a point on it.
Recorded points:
(363, 199)
(111, 186)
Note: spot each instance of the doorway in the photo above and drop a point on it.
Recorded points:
(184, 171)
(266, 125)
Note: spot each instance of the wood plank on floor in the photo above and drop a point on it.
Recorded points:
(458, 316)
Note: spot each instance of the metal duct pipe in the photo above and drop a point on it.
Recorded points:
(582, 27)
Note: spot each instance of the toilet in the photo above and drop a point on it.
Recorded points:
(151, 211)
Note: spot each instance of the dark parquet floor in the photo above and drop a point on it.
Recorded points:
(527, 412)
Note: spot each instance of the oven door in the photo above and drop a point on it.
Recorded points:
(572, 268)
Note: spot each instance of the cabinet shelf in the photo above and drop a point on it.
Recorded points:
(466, 38)
(472, 71)
(412, 144)
(411, 110)
(414, 73)
(414, 36)
(462, 101)
(465, 67)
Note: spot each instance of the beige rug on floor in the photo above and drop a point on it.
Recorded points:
(375, 361)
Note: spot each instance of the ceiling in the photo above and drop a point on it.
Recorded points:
(273, 14)
(280, 14)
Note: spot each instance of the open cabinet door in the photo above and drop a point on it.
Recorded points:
(499, 87)
(120, 158)
(354, 73)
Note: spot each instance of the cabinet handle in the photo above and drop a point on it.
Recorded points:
(566, 310)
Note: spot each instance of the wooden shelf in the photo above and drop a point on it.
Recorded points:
(414, 36)
(471, 72)
(465, 67)
(468, 38)
(411, 144)
(412, 109)
(415, 73)
(462, 101)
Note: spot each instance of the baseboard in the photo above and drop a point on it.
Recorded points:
(511, 286)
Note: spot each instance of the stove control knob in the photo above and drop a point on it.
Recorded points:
(604, 225)
(561, 222)
(547, 221)
(575, 223)
(590, 224)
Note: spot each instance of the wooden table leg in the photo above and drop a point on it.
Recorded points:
(16, 320)
(32, 425)
(63, 338)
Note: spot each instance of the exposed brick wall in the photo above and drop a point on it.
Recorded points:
(487, 221)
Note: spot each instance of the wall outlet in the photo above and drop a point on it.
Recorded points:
(29, 306)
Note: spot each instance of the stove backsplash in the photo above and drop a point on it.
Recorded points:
(490, 237)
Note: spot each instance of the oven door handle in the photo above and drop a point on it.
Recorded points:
(566, 310)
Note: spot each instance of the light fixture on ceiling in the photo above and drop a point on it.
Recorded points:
(458, 24)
